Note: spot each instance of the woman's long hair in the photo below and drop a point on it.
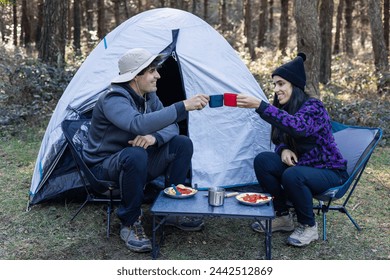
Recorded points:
(298, 97)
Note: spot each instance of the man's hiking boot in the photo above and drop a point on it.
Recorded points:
(184, 223)
(303, 235)
(280, 223)
(135, 238)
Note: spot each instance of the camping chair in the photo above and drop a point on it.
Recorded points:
(75, 132)
(356, 144)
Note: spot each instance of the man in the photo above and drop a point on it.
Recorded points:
(133, 139)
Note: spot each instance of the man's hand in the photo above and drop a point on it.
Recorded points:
(197, 102)
(143, 141)
(289, 157)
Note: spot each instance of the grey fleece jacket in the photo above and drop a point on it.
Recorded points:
(120, 115)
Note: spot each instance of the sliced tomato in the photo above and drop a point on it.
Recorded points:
(184, 190)
(253, 198)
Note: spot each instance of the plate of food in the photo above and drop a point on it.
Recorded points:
(253, 199)
(182, 191)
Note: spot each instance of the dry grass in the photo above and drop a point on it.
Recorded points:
(46, 233)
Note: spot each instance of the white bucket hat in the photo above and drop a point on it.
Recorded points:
(132, 63)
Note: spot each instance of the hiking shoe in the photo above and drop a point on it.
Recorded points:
(135, 238)
(184, 223)
(303, 235)
(281, 223)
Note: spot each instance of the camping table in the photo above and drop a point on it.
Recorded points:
(197, 205)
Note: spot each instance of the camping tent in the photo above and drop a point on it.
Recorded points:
(197, 60)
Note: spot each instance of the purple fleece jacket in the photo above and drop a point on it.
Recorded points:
(311, 129)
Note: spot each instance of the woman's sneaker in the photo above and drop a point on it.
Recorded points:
(135, 238)
(280, 223)
(303, 235)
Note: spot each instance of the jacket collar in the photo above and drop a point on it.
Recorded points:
(139, 100)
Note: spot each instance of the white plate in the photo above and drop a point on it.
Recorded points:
(241, 197)
(171, 192)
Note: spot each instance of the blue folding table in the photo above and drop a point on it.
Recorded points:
(197, 205)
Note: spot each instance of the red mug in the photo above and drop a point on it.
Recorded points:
(230, 99)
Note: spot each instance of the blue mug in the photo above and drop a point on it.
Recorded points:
(216, 101)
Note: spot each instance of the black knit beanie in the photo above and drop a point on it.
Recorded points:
(293, 71)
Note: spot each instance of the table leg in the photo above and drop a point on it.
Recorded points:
(268, 237)
(157, 226)
(154, 245)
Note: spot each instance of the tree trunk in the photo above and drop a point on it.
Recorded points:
(127, 10)
(173, 3)
(38, 32)
(52, 43)
(15, 22)
(116, 12)
(223, 14)
(340, 8)
(2, 25)
(162, 3)
(25, 35)
(386, 22)
(378, 43)
(76, 27)
(205, 9)
(193, 9)
(263, 23)
(181, 5)
(70, 22)
(348, 30)
(326, 24)
(308, 37)
(364, 23)
(283, 35)
(271, 15)
(248, 28)
(101, 19)
(90, 14)
(83, 18)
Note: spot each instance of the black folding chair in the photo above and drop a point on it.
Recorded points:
(76, 133)
(356, 144)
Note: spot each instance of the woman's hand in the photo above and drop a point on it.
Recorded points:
(247, 101)
(289, 157)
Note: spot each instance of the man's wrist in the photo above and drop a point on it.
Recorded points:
(186, 106)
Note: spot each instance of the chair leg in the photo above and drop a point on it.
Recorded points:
(351, 219)
(108, 220)
(324, 209)
(109, 210)
(320, 205)
(81, 207)
(323, 225)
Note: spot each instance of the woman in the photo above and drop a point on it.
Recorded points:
(306, 160)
